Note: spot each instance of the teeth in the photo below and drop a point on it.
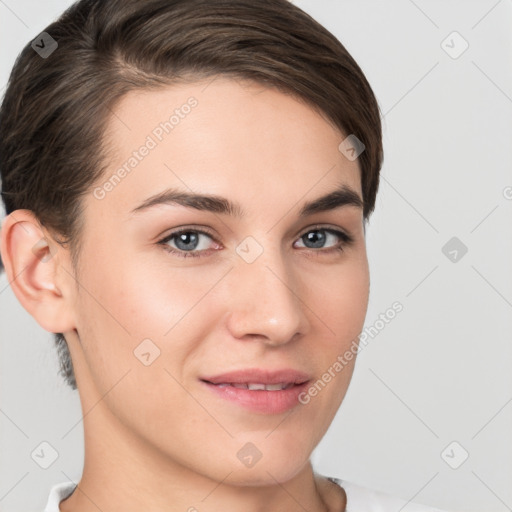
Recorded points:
(239, 386)
(276, 387)
(257, 386)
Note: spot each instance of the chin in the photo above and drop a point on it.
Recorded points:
(272, 462)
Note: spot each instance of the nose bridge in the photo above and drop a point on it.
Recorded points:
(264, 301)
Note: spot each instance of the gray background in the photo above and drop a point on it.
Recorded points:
(441, 370)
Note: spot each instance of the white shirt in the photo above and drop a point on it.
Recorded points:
(359, 499)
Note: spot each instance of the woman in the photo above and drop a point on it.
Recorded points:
(187, 184)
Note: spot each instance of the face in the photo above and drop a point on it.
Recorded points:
(177, 294)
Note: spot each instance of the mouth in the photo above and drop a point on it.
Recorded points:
(254, 386)
(267, 392)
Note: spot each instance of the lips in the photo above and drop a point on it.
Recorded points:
(257, 376)
(263, 391)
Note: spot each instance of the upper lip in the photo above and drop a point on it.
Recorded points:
(260, 376)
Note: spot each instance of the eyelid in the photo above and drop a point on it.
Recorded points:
(343, 233)
(183, 229)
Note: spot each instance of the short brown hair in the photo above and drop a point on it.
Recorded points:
(55, 109)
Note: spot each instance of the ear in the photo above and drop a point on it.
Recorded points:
(33, 263)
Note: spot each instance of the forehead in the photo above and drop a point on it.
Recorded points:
(223, 136)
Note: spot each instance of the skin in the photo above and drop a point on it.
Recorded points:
(159, 438)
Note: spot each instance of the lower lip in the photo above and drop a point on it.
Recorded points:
(266, 402)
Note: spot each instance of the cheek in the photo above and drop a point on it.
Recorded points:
(129, 302)
(138, 328)
(349, 303)
(340, 299)
(141, 298)
(340, 304)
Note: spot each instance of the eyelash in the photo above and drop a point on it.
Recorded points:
(346, 240)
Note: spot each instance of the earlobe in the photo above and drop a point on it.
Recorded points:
(31, 261)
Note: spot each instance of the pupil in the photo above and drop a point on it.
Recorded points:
(316, 237)
(184, 239)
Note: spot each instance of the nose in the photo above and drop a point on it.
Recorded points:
(265, 301)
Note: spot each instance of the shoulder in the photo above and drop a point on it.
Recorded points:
(363, 498)
(58, 493)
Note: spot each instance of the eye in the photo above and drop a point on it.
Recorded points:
(319, 237)
(188, 242)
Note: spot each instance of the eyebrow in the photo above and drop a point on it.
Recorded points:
(343, 196)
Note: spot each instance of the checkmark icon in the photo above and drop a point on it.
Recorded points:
(44, 455)
(454, 45)
(44, 44)
(249, 249)
(454, 455)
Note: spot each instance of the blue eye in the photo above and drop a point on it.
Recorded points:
(318, 237)
(188, 241)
